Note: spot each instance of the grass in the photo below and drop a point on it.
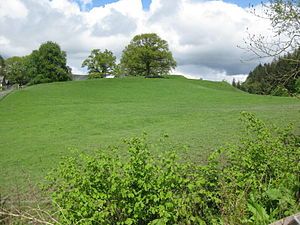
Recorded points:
(39, 124)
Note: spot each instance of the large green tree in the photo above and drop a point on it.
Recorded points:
(15, 70)
(2, 68)
(48, 64)
(147, 55)
(100, 64)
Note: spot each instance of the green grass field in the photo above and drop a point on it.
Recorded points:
(39, 124)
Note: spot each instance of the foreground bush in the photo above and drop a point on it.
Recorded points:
(254, 182)
(260, 180)
(100, 189)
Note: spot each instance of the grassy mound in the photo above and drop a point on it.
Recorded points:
(41, 123)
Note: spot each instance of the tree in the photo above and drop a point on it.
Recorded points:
(271, 78)
(15, 70)
(147, 55)
(2, 70)
(119, 70)
(48, 64)
(238, 85)
(233, 82)
(2, 66)
(100, 64)
(284, 16)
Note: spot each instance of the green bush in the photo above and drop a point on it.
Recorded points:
(254, 182)
(95, 76)
(259, 178)
(102, 189)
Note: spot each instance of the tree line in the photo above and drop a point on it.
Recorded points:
(44, 65)
(147, 55)
(281, 77)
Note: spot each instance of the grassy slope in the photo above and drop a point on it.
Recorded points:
(41, 123)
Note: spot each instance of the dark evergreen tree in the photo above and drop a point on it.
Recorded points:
(233, 82)
(276, 78)
(238, 85)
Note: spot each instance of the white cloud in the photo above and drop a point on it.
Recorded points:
(203, 35)
(206, 73)
(12, 9)
(108, 27)
(4, 41)
(65, 6)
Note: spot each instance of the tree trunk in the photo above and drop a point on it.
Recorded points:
(148, 68)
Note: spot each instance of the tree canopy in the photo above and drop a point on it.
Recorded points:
(2, 71)
(100, 64)
(15, 70)
(147, 55)
(280, 77)
(49, 64)
(2, 66)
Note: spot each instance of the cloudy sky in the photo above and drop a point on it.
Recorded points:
(203, 35)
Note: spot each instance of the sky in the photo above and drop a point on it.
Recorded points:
(203, 35)
(147, 3)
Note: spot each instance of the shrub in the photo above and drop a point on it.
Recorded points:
(254, 182)
(95, 76)
(259, 180)
(102, 189)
